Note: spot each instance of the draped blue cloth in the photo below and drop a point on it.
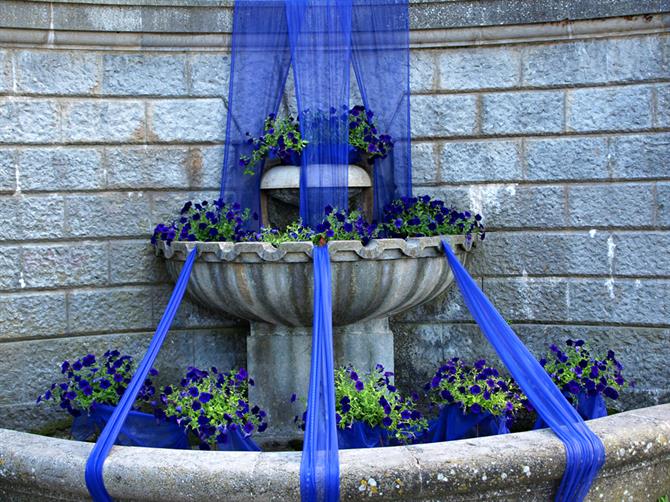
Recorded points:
(319, 468)
(452, 424)
(323, 40)
(585, 453)
(588, 407)
(361, 435)
(138, 429)
(96, 460)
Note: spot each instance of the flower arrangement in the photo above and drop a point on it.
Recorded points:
(372, 400)
(90, 382)
(213, 405)
(577, 370)
(477, 388)
(281, 137)
(404, 218)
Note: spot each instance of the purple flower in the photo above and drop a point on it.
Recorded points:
(475, 389)
(359, 386)
(475, 408)
(205, 397)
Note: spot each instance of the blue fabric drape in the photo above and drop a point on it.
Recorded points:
(96, 460)
(138, 429)
(585, 453)
(259, 65)
(361, 435)
(235, 441)
(452, 424)
(319, 468)
(588, 407)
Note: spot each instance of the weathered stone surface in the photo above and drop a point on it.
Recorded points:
(206, 120)
(190, 314)
(7, 170)
(621, 205)
(56, 169)
(166, 205)
(638, 58)
(444, 115)
(567, 158)
(609, 109)
(144, 75)
(32, 315)
(29, 121)
(204, 167)
(104, 121)
(663, 204)
(422, 75)
(528, 298)
(663, 106)
(134, 261)
(108, 214)
(10, 268)
(210, 74)
(522, 112)
(492, 161)
(51, 265)
(5, 71)
(57, 72)
(32, 217)
(147, 167)
(479, 68)
(644, 156)
(424, 163)
(641, 254)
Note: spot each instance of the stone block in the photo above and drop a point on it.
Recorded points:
(210, 75)
(480, 68)
(33, 217)
(621, 205)
(204, 166)
(147, 167)
(633, 59)
(109, 215)
(166, 205)
(449, 306)
(144, 75)
(569, 63)
(523, 112)
(528, 299)
(440, 115)
(609, 109)
(109, 310)
(424, 163)
(57, 72)
(422, 71)
(663, 105)
(104, 122)
(56, 265)
(224, 348)
(188, 120)
(643, 156)
(619, 301)
(190, 314)
(10, 267)
(7, 170)
(492, 161)
(134, 261)
(60, 168)
(29, 121)
(567, 159)
(5, 71)
(663, 204)
(641, 253)
(33, 315)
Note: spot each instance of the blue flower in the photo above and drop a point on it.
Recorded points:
(475, 389)
(105, 384)
(475, 408)
(205, 397)
(387, 422)
(359, 386)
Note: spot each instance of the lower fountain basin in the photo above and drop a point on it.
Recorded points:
(260, 282)
(523, 466)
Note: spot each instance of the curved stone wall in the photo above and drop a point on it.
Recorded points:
(552, 118)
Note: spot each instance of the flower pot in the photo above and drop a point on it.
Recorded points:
(139, 429)
(453, 424)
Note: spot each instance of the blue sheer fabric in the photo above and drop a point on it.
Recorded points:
(452, 424)
(138, 429)
(259, 65)
(585, 453)
(96, 460)
(236, 441)
(319, 468)
(588, 407)
(361, 435)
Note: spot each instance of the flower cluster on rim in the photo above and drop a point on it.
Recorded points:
(372, 398)
(212, 404)
(90, 381)
(281, 138)
(475, 388)
(575, 370)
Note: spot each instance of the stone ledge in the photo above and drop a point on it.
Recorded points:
(522, 466)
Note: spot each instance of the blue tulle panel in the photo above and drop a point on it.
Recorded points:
(319, 468)
(320, 38)
(380, 55)
(260, 61)
(585, 453)
(452, 424)
(361, 435)
(139, 429)
(588, 407)
(96, 460)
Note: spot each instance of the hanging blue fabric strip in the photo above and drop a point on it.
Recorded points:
(319, 468)
(585, 453)
(96, 460)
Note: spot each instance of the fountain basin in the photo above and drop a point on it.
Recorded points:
(523, 466)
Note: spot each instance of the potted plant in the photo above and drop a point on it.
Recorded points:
(474, 400)
(91, 390)
(370, 412)
(214, 407)
(584, 377)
